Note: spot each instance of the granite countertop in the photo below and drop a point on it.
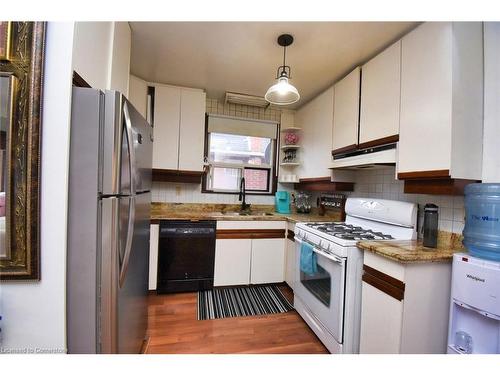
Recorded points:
(414, 251)
(190, 211)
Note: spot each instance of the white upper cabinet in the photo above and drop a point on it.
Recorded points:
(167, 114)
(179, 128)
(192, 130)
(380, 96)
(138, 94)
(346, 111)
(316, 119)
(441, 100)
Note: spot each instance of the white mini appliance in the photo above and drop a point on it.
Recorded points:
(475, 306)
(329, 300)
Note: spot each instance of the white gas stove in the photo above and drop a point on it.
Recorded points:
(329, 299)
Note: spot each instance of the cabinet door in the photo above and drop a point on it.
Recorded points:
(138, 94)
(192, 130)
(346, 111)
(232, 262)
(316, 120)
(166, 127)
(268, 261)
(290, 263)
(426, 98)
(381, 322)
(153, 255)
(380, 95)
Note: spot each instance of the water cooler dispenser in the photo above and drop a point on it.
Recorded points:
(475, 306)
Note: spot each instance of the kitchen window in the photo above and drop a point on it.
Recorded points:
(239, 148)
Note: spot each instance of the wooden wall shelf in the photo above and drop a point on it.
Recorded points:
(172, 175)
(323, 184)
(438, 182)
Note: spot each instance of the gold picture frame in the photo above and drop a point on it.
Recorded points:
(5, 40)
(22, 206)
(7, 105)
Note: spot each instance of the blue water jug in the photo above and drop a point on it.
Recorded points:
(482, 220)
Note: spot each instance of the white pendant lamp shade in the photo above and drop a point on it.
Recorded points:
(282, 93)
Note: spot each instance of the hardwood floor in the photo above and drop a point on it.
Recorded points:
(174, 329)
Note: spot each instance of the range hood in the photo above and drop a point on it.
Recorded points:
(373, 157)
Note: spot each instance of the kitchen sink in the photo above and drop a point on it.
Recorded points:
(244, 213)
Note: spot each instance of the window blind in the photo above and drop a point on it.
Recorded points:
(240, 126)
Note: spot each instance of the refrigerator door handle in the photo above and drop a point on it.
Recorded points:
(131, 148)
(128, 243)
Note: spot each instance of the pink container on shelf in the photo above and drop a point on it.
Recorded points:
(291, 138)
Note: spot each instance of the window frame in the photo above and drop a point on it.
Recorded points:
(272, 183)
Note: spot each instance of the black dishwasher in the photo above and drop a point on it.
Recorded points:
(186, 256)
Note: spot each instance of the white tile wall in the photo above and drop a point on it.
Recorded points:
(376, 183)
(191, 193)
(239, 110)
(169, 192)
(382, 183)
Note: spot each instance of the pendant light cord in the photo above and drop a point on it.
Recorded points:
(284, 55)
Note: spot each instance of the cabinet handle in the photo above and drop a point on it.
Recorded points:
(384, 286)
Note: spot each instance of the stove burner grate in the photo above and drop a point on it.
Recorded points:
(349, 232)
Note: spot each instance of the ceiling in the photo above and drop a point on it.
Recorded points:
(243, 56)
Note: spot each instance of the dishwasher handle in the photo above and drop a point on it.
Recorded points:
(186, 231)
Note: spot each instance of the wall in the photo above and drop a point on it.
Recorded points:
(491, 161)
(101, 54)
(191, 193)
(34, 312)
(382, 183)
(120, 58)
(92, 51)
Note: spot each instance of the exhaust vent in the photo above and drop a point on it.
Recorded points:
(251, 100)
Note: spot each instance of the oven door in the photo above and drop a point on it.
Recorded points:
(323, 291)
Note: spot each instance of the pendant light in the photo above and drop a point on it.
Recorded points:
(282, 92)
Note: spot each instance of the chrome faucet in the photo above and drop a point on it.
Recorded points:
(242, 195)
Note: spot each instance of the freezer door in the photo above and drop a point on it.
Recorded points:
(134, 269)
(127, 148)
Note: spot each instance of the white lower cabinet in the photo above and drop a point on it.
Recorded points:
(154, 231)
(268, 258)
(232, 262)
(405, 307)
(290, 256)
(243, 261)
(381, 331)
(290, 263)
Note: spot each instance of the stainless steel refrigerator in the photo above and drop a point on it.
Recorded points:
(108, 224)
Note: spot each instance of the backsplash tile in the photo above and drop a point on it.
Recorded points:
(382, 183)
(172, 192)
(375, 183)
(215, 106)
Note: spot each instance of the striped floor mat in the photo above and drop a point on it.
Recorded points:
(242, 301)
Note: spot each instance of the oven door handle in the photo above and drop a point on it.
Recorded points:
(332, 257)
